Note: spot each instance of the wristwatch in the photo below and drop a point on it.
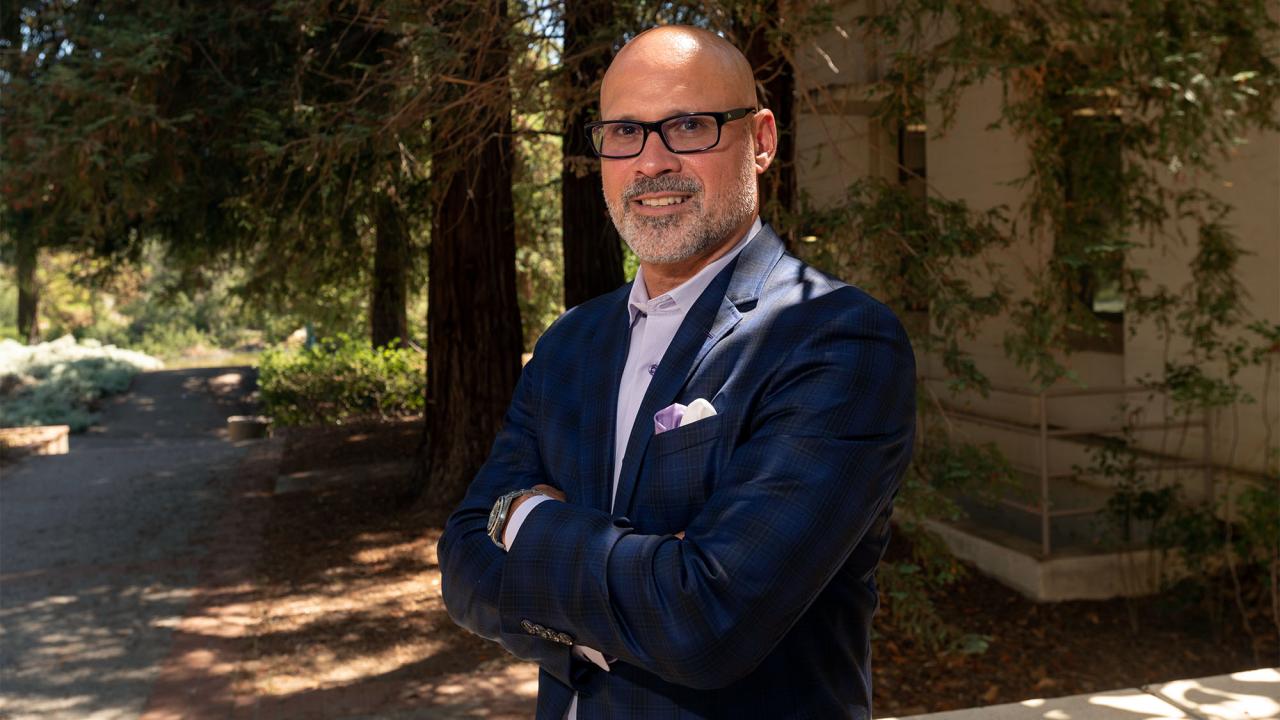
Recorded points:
(498, 515)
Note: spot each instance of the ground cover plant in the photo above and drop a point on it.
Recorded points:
(61, 382)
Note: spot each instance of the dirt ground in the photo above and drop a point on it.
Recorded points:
(347, 618)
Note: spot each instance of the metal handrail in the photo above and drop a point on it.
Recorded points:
(1044, 434)
(1060, 391)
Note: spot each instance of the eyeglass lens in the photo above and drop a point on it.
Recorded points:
(683, 134)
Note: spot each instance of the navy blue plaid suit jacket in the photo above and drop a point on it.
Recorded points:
(764, 609)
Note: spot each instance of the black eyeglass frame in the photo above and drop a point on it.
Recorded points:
(656, 127)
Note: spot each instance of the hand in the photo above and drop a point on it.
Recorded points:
(551, 492)
(680, 534)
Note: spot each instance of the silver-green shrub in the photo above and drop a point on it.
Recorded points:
(60, 382)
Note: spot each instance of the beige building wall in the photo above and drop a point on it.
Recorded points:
(1250, 182)
(838, 142)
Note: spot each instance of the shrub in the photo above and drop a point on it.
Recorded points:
(339, 380)
(61, 382)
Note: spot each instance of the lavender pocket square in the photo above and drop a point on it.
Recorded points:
(677, 415)
(668, 418)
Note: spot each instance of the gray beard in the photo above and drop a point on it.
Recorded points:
(676, 238)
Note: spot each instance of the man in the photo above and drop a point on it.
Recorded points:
(719, 565)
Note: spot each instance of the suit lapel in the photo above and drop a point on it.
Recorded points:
(600, 405)
(710, 319)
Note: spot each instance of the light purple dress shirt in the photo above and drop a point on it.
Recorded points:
(654, 323)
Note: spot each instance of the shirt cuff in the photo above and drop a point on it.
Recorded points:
(517, 519)
(583, 652)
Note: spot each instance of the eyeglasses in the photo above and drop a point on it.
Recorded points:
(684, 133)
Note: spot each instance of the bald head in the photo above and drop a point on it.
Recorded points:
(685, 56)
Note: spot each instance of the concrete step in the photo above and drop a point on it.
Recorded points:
(1250, 695)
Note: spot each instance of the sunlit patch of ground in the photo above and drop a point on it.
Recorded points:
(348, 620)
(377, 614)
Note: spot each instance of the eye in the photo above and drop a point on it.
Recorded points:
(693, 124)
(623, 130)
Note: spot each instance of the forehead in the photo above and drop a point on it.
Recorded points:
(648, 83)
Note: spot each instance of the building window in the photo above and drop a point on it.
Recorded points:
(1090, 240)
(913, 171)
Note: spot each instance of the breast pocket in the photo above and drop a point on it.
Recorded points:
(699, 432)
(679, 475)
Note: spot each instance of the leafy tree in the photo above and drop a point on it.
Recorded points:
(337, 145)
(72, 176)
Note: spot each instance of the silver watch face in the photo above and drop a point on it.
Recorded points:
(493, 517)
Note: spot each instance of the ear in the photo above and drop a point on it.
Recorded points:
(765, 137)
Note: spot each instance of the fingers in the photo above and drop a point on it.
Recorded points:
(553, 493)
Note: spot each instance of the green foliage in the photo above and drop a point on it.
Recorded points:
(940, 469)
(339, 380)
(1216, 553)
(62, 382)
(1135, 499)
(154, 306)
(1258, 508)
(914, 254)
(535, 189)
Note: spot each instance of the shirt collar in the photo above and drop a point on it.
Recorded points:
(682, 297)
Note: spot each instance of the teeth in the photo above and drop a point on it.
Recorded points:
(661, 202)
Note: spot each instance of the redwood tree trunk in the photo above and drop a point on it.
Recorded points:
(473, 321)
(25, 261)
(775, 78)
(592, 248)
(388, 321)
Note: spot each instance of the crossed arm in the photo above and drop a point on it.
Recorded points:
(829, 441)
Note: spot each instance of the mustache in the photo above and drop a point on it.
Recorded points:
(662, 183)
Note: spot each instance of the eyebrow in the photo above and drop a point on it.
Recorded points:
(633, 118)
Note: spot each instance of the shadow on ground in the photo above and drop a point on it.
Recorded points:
(343, 617)
(101, 548)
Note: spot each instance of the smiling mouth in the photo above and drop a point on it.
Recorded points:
(662, 201)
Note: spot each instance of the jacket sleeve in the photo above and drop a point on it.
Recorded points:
(471, 566)
(823, 456)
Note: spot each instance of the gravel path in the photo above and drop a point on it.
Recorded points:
(100, 548)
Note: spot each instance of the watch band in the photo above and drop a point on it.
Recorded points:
(501, 508)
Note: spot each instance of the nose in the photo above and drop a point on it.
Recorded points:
(655, 159)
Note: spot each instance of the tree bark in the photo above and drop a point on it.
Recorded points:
(592, 247)
(775, 82)
(26, 257)
(388, 321)
(473, 320)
